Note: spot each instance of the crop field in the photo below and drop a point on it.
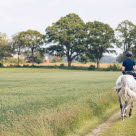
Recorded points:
(77, 64)
(53, 102)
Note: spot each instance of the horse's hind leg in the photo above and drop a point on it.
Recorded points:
(131, 107)
(125, 108)
(121, 106)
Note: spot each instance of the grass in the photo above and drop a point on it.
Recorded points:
(123, 128)
(54, 102)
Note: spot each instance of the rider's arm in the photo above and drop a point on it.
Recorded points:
(135, 67)
(123, 68)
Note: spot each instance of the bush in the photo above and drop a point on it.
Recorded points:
(62, 65)
(1, 65)
(92, 67)
(38, 60)
(26, 66)
(114, 67)
(57, 59)
(14, 61)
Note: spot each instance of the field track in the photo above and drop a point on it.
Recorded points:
(102, 127)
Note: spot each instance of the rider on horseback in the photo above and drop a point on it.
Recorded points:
(129, 65)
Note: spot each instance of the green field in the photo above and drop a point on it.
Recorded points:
(43, 102)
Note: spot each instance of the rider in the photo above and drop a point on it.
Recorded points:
(129, 65)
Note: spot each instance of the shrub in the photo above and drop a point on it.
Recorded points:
(14, 61)
(38, 60)
(26, 66)
(114, 67)
(92, 67)
(57, 59)
(1, 65)
(11, 65)
(62, 65)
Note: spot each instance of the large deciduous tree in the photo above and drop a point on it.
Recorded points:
(5, 47)
(66, 37)
(33, 41)
(99, 40)
(125, 35)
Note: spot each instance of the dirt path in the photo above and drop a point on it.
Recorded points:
(101, 128)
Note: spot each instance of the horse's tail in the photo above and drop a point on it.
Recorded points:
(131, 93)
(119, 84)
(126, 88)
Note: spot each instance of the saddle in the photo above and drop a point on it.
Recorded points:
(132, 73)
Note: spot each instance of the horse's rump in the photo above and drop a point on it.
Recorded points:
(126, 90)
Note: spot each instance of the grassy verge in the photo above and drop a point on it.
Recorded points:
(123, 128)
(88, 125)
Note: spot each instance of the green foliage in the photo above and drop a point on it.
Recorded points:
(120, 58)
(114, 67)
(33, 41)
(66, 36)
(99, 40)
(82, 59)
(62, 65)
(125, 35)
(1, 65)
(5, 47)
(14, 61)
(92, 67)
(134, 42)
(18, 42)
(29, 43)
(57, 59)
(38, 58)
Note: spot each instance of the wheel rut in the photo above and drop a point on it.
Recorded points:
(104, 126)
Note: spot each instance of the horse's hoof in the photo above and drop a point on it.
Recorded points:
(125, 115)
(122, 118)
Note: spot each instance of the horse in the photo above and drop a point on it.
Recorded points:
(126, 91)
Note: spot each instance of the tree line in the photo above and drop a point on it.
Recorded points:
(72, 38)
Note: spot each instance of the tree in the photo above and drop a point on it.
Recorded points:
(38, 57)
(18, 42)
(5, 47)
(66, 37)
(133, 34)
(57, 59)
(83, 59)
(125, 35)
(99, 40)
(33, 41)
(120, 58)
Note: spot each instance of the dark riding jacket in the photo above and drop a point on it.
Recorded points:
(129, 67)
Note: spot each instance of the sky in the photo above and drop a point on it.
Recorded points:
(21, 15)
